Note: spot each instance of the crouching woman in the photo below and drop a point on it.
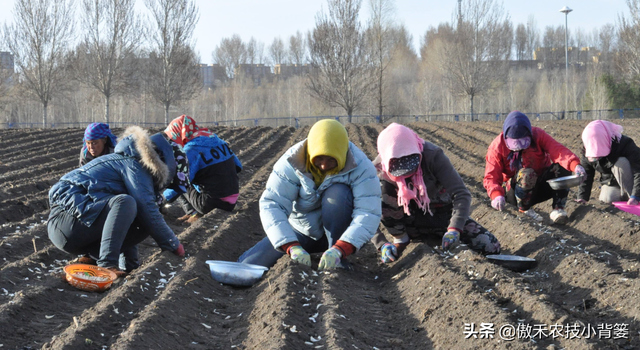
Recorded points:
(110, 205)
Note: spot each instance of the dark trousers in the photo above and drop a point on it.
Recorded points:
(526, 189)
(115, 231)
(201, 202)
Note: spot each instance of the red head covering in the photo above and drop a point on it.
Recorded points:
(184, 129)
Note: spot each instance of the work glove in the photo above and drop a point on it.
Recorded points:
(330, 259)
(450, 240)
(581, 201)
(580, 172)
(388, 253)
(179, 251)
(632, 201)
(498, 203)
(299, 255)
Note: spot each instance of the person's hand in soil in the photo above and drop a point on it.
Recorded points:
(299, 255)
(180, 251)
(388, 253)
(450, 240)
(498, 203)
(581, 201)
(632, 201)
(330, 259)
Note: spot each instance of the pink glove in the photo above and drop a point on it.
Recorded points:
(498, 203)
(632, 201)
(581, 201)
(579, 170)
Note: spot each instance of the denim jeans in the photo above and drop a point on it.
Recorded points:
(337, 207)
(115, 231)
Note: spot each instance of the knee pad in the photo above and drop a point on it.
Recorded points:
(526, 178)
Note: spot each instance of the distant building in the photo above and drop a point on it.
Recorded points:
(551, 57)
(6, 61)
(285, 71)
(257, 72)
(212, 75)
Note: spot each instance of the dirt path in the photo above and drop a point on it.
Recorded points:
(586, 280)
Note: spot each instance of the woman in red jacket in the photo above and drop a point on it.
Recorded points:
(523, 158)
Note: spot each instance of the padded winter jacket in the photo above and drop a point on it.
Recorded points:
(207, 156)
(443, 183)
(543, 152)
(292, 201)
(625, 147)
(140, 167)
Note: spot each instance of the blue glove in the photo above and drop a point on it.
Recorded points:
(388, 253)
(450, 240)
(330, 259)
(299, 255)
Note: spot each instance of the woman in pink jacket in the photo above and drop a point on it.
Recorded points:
(519, 163)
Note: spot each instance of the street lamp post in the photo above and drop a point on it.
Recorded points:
(566, 11)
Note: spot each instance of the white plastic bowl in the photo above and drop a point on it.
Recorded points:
(235, 273)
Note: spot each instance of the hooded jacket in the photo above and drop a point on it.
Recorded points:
(291, 199)
(141, 166)
(544, 151)
(624, 147)
(213, 165)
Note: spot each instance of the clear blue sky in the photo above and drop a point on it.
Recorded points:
(267, 19)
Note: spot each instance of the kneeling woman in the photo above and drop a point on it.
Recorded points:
(110, 205)
(616, 157)
(422, 193)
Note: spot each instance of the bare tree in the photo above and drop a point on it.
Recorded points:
(39, 38)
(476, 56)
(255, 51)
(629, 36)
(277, 51)
(297, 49)
(338, 52)
(174, 74)
(533, 38)
(521, 42)
(231, 53)
(111, 35)
(379, 37)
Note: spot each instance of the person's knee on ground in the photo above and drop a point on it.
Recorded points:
(526, 179)
(479, 238)
(624, 176)
(610, 194)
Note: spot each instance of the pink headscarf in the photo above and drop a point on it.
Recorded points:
(597, 137)
(397, 141)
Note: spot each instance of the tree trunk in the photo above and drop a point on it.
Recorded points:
(471, 106)
(106, 109)
(166, 113)
(349, 112)
(44, 114)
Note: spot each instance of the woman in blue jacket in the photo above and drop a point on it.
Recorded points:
(109, 205)
(323, 195)
(213, 170)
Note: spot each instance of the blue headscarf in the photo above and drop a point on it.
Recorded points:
(517, 125)
(97, 131)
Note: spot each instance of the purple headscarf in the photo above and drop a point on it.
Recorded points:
(516, 126)
(97, 131)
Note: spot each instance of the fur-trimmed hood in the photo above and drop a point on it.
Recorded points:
(153, 152)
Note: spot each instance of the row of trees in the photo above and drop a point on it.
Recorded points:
(477, 62)
(109, 57)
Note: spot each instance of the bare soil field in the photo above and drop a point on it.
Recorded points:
(583, 293)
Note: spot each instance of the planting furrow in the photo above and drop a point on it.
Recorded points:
(212, 237)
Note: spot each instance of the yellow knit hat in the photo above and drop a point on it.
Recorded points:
(327, 138)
